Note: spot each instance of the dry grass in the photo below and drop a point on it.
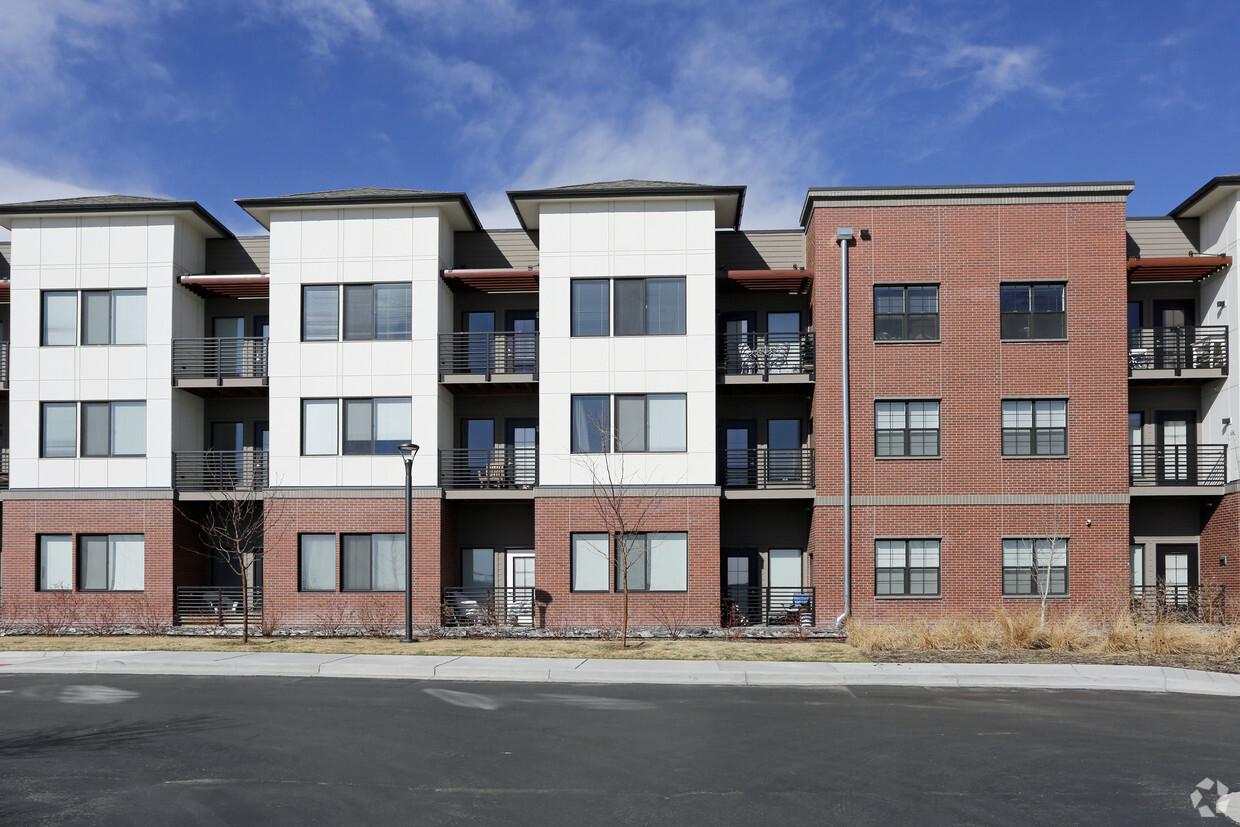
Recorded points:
(662, 649)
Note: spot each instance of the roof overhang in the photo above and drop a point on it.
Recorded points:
(237, 287)
(514, 280)
(190, 211)
(782, 281)
(729, 201)
(1201, 201)
(1180, 268)
(454, 205)
(1055, 193)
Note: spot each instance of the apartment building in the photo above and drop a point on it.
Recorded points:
(627, 387)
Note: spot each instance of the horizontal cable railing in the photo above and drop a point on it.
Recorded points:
(507, 467)
(763, 468)
(244, 470)
(1177, 348)
(219, 359)
(766, 354)
(215, 605)
(4, 365)
(1177, 465)
(767, 605)
(1201, 603)
(488, 354)
(511, 606)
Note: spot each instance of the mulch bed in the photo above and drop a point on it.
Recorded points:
(1203, 662)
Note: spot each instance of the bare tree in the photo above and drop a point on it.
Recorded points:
(1047, 552)
(236, 528)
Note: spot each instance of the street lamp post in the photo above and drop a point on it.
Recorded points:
(407, 452)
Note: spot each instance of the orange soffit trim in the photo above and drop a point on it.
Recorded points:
(513, 280)
(1184, 268)
(241, 287)
(784, 281)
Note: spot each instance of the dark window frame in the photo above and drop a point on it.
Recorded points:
(644, 315)
(616, 447)
(575, 322)
(370, 552)
(1018, 573)
(905, 316)
(43, 406)
(374, 426)
(908, 431)
(1036, 436)
(39, 586)
(602, 429)
(343, 291)
(301, 571)
(618, 582)
(111, 408)
(1036, 322)
(572, 562)
(80, 559)
(907, 570)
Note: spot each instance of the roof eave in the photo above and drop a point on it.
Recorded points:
(1202, 193)
(206, 222)
(260, 209)
(534, 197)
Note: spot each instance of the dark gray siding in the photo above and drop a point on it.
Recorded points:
(1162, 237)
(496, 249)
(760, 250)
(5, 253)
(249, 255)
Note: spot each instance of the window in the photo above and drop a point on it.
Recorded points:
(643, 307)
(1032, 311)
(55, 562)
(906, 567)
(371, 312)
(113, 429)
(319, 428)
(589, 562)
(1029, 562)
(478, 568)
(906, 312)
(59, 426)
(376, 426)
(113, 317)
(589, 311)
(318, 563)
(373, 562)
(111, 562)
(109, 317)
(906, 429)
(657, 561)
(651, 422)
(591, 424)
(1035, 427)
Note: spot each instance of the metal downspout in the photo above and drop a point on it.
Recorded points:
(844, 236)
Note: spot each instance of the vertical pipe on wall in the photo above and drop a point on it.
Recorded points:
(844, 236)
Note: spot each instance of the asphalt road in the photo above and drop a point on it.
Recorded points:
(173, 750)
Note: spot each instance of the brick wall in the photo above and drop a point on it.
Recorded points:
(1221, 537)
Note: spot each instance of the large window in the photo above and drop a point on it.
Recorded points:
(1033, 427)
(1032, 311)
(654, 423)
(109, 429)
(111, 562)
(373, 562)
(478, 568)
(658, 561)
(589, 562)
(109, 317)
(906, 567)
(371, 426)
(369, 312)
(317, 567)
(591, 424)
(1031, 565)
(906, 312)
(906, 429)
(55, 562)
(643, 307)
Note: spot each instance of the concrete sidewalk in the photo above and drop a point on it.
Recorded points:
(572, 670)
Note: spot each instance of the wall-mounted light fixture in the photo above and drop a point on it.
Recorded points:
(1226, 421)
(1220, 304)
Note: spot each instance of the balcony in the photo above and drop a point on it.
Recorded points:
(512, 606)
(1193, 604)
(767, 469)
(766, 357)
(1190, 467)
(498, 469)
(234, 366)
(1177, 355)
(480, 358)
(201, 471)
(4, 366)
(767, 606)
(215, 605)
(4, 467)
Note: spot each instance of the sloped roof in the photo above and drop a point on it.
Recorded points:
(115, 203)
(463, 216)
(729, 200)
(1202, 194)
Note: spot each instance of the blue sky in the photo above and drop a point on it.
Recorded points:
(212, 100)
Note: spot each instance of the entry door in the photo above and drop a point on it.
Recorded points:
(1176, 443)
(523, 443)
(738, 440)
(742, 586)
(227, 440)
(1172, 320)
(230, 353)
(1176, 568)
(519, 599)
(783, 338)
(480, 354)
(783, 438)
(524, 327)
(737, 342)
(478, 440)
(1136, 448)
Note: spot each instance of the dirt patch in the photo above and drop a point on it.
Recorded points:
(1202, 662)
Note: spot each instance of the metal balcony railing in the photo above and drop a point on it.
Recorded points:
(4, 467)
(763, 468)
(488, 354)
(511, 606)
(215, 605)
(1206, 604)
(766, 354)
(505, 467)
(1177, 465)
(219, 359)
(1177, 348)
(767, 605)
(244, 470)
(4, 365)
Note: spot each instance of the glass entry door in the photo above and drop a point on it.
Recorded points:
(739, 454)
(524, 352)
(480, 356)
(783, 438)
(783, 340)
(1175, 442)
(1176, 569)
(523, 445)
(519, 597)
(742, 587)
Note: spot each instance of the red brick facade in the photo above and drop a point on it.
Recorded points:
(1220, 538)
